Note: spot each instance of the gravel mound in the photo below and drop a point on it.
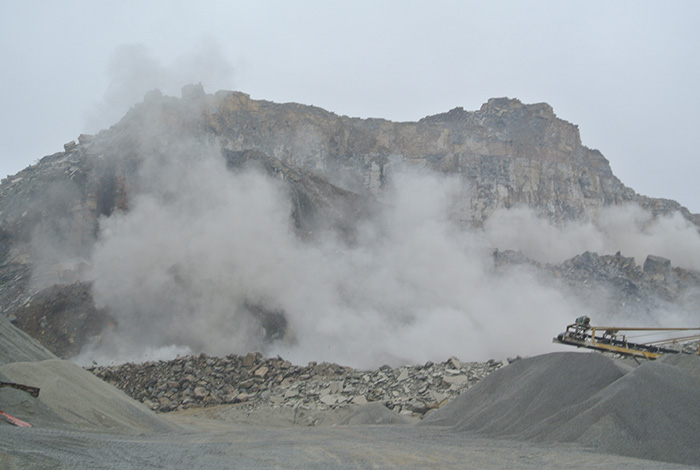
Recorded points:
(72, 398)
(690, 363)
(527, 392)
(649, 412)
(16, 346)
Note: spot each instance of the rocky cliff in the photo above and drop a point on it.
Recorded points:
(332, 169)
(507, 153)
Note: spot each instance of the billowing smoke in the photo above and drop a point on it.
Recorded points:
(201, 246)
(206, 256)
(181, 269)
(207, 259)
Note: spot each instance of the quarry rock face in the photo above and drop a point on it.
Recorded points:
(507, 152)
(333, 168)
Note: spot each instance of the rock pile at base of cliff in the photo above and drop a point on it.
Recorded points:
(255, 382)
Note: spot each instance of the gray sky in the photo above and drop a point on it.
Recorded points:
(626, 72)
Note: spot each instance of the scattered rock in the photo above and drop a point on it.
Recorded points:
(622, 288)
(273, 382)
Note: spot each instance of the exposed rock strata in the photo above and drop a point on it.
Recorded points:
(507, 152)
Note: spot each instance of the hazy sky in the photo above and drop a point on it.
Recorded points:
(626, 72)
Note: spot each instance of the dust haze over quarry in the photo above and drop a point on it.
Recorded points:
(222, 224)
(180, 271)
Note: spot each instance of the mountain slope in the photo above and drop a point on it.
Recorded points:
(222, 204)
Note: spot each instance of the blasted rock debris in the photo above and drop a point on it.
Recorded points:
(255, 382)
(628, 289)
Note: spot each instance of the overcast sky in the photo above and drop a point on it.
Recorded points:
(626, 72)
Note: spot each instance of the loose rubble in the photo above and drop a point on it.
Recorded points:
(616, 284)
(255, 382)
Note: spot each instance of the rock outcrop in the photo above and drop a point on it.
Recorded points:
(507, 152)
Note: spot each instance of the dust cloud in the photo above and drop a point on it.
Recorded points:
(200, 244)
(179, 270)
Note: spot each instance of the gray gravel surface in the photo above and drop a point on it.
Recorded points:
(16, 345)
(651, 411)
(211, 445)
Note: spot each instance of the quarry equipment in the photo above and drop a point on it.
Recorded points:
(33, 391)
(610, 339)
(14, 421)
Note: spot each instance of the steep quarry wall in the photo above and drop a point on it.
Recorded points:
(507, 153)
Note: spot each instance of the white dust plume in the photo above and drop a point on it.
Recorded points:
(179, 269)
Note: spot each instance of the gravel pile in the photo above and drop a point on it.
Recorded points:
(71, 398)
(255, 382)
(651, 411)
(16, 345)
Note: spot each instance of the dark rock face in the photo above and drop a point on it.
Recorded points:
(317, 205)
(254, 382)
(657, 266)
(62, 318)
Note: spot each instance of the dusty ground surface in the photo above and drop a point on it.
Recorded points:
(205, 444)
(231, 437)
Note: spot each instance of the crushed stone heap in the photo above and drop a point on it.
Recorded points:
(254, 382)
(648, 411)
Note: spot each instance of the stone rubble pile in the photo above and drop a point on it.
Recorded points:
(254, 382)
(623, 288)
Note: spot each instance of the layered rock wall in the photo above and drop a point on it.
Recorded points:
(507, 153)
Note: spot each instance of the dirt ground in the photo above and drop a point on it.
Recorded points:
(210, 444)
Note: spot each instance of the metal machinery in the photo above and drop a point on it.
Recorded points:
(609, 338)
